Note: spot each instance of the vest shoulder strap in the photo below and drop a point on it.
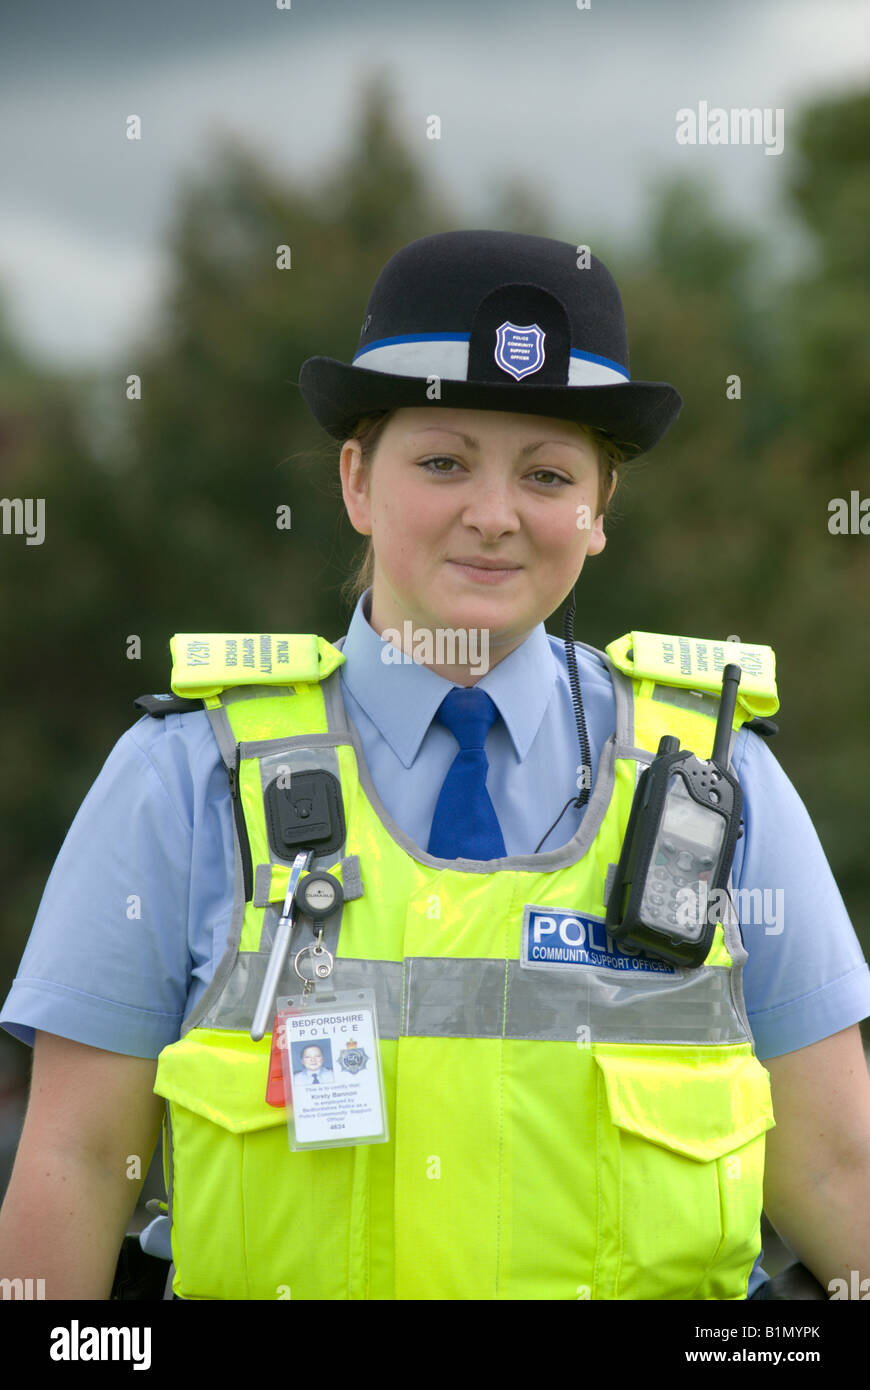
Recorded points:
(697, 663)
(204, 663)
(158, 706)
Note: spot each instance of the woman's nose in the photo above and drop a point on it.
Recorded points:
(491, 507)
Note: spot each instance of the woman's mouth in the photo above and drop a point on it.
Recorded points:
(486, 571)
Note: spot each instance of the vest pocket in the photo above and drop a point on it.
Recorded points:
(215, 1088)
(680, 1168)
(247, 1212)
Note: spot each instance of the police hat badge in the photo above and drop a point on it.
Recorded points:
(519, 351)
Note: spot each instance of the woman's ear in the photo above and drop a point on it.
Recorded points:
(355, 486)
(597, 538)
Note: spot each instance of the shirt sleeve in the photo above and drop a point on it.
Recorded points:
(805, 977)
(108, 960)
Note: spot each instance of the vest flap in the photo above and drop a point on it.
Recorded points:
(697, 663)
(207, 662)
(209, 1072)
(700, 1102)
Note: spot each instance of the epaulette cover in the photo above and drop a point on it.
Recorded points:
(697, 663)
(204, 663)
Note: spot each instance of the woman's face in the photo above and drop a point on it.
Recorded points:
(479, 519)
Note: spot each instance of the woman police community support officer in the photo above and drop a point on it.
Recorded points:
(555, 1132)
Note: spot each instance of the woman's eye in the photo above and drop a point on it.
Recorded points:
(548, 473)
(439, 458)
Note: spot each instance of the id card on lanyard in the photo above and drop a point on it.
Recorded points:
(325, 1062)
(331, 1069)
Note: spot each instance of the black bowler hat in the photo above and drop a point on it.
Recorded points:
(504, 321)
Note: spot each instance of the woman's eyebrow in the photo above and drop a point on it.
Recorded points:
(473, 443)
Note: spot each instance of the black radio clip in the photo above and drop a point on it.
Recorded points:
(679, 844)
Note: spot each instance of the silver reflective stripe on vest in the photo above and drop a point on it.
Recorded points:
(234, 693)
(739, 955)
(224, 736)
(227, 745)
(697, 701)
(444, 998)
(498, 999)
(235, 1008)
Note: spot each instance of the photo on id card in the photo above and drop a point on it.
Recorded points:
(331, 1063)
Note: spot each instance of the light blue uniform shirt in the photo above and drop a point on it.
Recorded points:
(136, 910)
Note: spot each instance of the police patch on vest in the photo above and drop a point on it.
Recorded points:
(519, 351)
(556, 938)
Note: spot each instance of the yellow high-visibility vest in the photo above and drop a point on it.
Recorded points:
(589, 1130)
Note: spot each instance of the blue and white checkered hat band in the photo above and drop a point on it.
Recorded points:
(446, 355)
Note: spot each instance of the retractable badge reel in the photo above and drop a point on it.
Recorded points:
(325, 1065)
(679, 846)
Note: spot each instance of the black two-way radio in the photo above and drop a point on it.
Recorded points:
(679, 846)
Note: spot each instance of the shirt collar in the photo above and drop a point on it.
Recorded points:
(520, 686)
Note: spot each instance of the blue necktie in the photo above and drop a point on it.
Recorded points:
(465, 824)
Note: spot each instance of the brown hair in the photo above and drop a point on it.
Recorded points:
(369, 430)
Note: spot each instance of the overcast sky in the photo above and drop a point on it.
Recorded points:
(583, 102)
